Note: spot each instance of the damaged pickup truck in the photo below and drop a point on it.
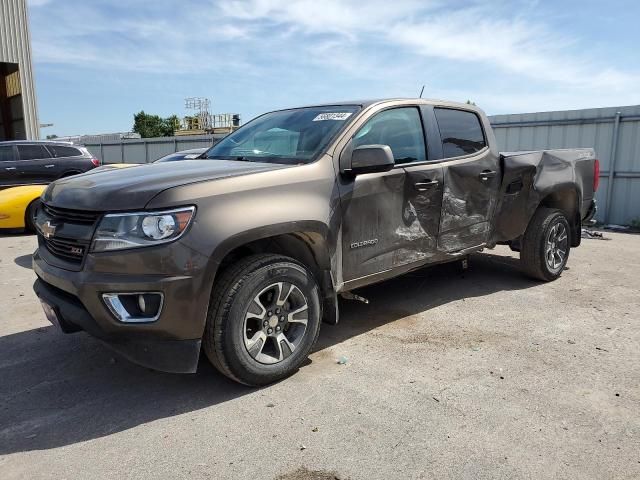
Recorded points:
(244, 251)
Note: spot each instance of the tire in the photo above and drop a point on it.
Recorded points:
(546, 245)
(242, 340)
(29, 216)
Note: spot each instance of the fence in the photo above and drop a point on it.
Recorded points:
(146, 150)
(614, 133)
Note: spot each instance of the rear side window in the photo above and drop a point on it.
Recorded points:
(32, 152)
(62, 151)
(400, 129)
(460, 131)
(6, 154)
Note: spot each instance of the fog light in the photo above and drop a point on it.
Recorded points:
(149, 303)
(138, 307)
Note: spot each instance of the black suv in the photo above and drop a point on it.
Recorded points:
(32, 162)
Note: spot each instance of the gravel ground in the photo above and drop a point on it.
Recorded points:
(448, 375)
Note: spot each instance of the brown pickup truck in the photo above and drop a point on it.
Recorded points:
(244, 251)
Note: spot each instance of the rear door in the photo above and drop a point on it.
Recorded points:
(8, 165)
(471, 180)
(69, 160)
(36, 164)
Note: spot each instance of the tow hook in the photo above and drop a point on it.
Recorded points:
(353, 296)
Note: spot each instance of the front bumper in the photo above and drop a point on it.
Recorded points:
(173, 356)
(172, 342)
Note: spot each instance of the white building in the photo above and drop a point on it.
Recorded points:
(18, 110)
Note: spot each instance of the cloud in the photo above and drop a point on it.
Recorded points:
(489, 34)
(505, 54)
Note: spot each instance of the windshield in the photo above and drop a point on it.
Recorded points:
(190, 155)
(289, 136)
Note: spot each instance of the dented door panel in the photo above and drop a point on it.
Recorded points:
(418, 236)
(372, 212)
(470, 191)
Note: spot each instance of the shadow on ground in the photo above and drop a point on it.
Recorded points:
(24, 261)
(58, 389)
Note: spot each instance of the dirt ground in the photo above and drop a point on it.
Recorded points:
(481, 375)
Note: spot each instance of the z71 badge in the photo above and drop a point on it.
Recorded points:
(364, 243)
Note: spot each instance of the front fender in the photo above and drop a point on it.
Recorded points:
(234, 211)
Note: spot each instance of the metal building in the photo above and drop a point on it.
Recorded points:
(614, 133)
(18, 112)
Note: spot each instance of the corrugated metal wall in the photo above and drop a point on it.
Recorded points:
(147, 150)
(614, 133)
(15, 47)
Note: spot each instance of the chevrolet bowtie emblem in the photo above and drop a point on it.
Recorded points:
(47, 229)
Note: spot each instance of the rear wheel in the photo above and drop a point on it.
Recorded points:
(30, 216)
(263, 320)
(546, 244)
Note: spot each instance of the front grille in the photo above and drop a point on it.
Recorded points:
(71, 216)
(66, 248)
(66, 234)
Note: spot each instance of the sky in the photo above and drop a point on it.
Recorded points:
(98, 62)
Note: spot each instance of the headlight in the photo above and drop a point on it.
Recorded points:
(118, 231)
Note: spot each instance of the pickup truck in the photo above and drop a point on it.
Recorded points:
(244, 251)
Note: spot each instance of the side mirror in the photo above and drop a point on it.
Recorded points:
(369, 159)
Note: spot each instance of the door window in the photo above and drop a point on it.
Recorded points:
(400, 129)
(460, 131)
(6, 154)
(62, 151)
(32, 152)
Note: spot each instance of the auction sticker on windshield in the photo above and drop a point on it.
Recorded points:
(340, 116)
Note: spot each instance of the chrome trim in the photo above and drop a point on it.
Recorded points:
(116, 308)
(152, 212)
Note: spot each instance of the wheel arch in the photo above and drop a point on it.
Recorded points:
(27, 224)
(566, 199)
(306, 242)
(70, 173)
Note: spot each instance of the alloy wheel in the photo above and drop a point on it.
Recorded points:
(275, 323)
(556, 246)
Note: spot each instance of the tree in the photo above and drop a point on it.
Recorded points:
(172, 123)
(153, 125)
(52, 137)
(469, 102)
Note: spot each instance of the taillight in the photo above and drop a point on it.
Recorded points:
(96, 162)
(596, 175)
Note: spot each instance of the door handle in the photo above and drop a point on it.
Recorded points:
(10, 168)
(49, 166)
(423, 186)
(487, 174)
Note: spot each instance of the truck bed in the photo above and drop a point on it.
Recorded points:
(528, 177)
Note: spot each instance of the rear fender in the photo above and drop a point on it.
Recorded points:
(530, 181)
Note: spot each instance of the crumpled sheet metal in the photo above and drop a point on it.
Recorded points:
(529, 177)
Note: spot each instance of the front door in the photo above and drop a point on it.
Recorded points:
(471, 181)
(8, 166)
(391, 219)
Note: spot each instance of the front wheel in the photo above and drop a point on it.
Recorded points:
(546, 244)
(263, 320)
(30, 216)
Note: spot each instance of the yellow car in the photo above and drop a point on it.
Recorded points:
(18, 207)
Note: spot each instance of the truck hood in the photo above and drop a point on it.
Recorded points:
(132, 188)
